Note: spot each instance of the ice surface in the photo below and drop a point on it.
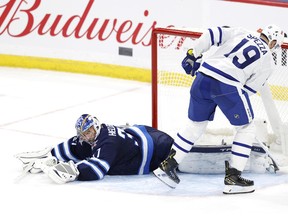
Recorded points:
(39, 109)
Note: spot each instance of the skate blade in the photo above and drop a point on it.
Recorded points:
(162, 176)
(234, 189)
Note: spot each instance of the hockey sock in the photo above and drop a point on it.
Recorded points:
(186, 138)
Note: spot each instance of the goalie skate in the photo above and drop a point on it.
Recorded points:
(166, 172)
(162, 176)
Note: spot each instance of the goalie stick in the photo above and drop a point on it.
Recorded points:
(24, 172)
(274, 163)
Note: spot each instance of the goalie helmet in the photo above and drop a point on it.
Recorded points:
(273, 32)
(86, 121)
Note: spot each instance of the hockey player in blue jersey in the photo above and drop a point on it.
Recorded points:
(238, 67)
(100, 149)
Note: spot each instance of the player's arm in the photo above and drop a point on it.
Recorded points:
(211, 37)
(190, 63)
(215, 36)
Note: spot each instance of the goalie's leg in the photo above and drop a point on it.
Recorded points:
(167, 171)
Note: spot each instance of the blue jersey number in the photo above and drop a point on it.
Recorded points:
(123, 134)
(250, 54)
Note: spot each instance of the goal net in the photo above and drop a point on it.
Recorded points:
(171, 89)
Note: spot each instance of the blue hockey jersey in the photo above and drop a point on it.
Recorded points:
(134, 150)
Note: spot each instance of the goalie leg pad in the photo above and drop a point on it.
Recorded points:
(208, 159)
(63, 172)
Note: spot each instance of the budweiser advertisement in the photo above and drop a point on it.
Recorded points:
(107, 31)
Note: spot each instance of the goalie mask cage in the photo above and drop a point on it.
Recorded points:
(171, 92)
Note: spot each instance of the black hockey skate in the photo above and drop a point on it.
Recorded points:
(234, 183)
(166, 171)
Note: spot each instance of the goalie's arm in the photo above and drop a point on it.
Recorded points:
(72, 149)
(92, 169)
(85, 170)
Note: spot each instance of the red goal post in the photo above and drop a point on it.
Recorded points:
(170, 41)
(154, 55)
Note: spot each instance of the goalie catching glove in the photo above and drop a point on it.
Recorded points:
(36, 161)
(190, 63)
(43, 161)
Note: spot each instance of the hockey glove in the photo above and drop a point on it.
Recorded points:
(33, 161)
(190, 63)
(63, 172)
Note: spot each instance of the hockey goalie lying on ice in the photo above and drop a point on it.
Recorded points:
(98, 150)
(101, 149)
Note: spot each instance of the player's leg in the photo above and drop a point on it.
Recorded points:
(237, 108)
(201, 109)
(181, 146)
(240, 152)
